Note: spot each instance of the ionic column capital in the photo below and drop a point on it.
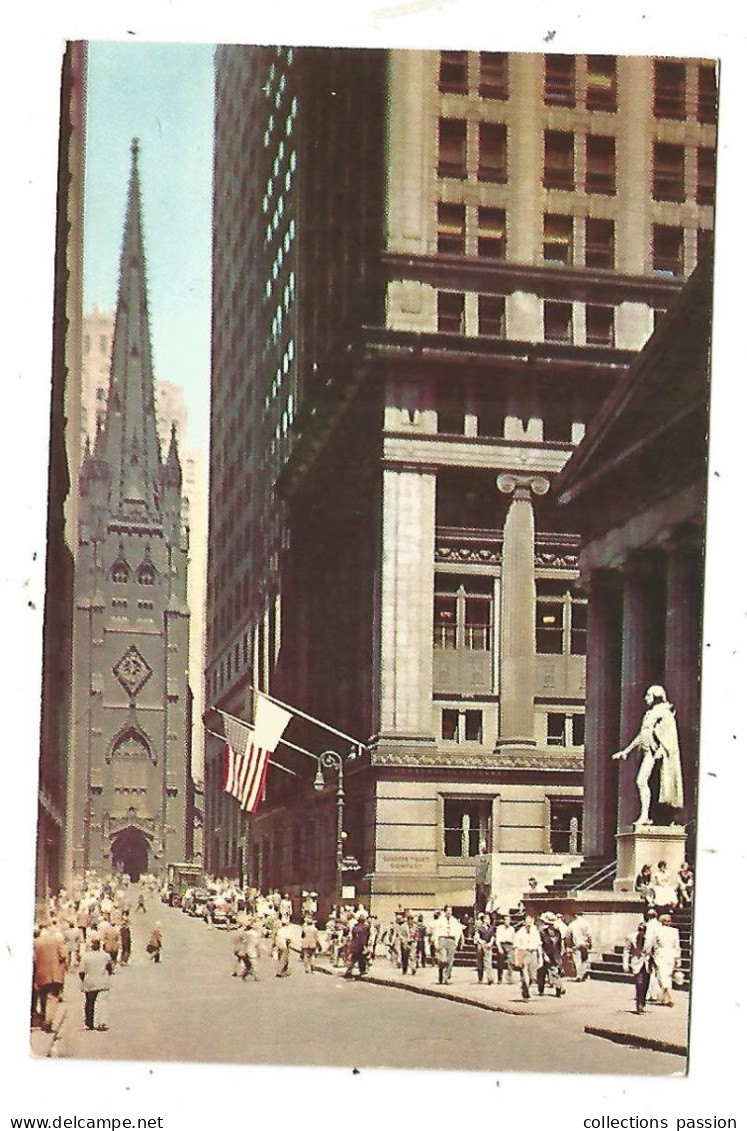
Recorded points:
(522, 486)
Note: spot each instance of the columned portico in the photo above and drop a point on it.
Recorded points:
(642, 664)
(518, 611)
(603, 659)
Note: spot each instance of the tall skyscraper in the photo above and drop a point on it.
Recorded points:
(129, 777)
(430, 268)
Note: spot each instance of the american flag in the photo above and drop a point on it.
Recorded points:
(248, 750)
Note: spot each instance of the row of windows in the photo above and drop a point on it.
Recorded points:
(560, 158)
(565, 729)
(558, 318)
(121, 574)
(467, 825)
(482, 231)
(590, 81)
(463, 616)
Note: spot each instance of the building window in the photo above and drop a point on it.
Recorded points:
(600, 164)
(669, 90)
(601, 82)
(451, 312)
(560, 80)
(491, 233)
(706, 185)
(707, 93)
(461, 726)
(451, 229)
(565, 729)
(100, 394)
(462, 613)
(559, 160)
(452, 148)
(491, 315)
(558, 321)
(557, 239)
(492, 159)
(146, 575)
(600, 243)
(566, 815)
(561, 619)
(466, 827)
(120, 573)
(668, 250)
(493, 74)
(600, 326)
(669, 171)
(452, 72)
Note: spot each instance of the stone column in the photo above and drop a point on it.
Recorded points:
(406, 649)
(518, 611)
(603, 660)
(642, 665)
(682, 653)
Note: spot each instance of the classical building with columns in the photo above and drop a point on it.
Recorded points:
(129, 783)
(636, 491)
(431, 269)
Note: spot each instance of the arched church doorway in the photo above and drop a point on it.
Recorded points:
(130, 853)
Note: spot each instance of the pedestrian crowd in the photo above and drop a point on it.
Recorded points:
(86, 930)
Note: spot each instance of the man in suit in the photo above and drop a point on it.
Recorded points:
(50, 967)
(637, 961)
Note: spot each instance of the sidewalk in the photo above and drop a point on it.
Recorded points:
(605, 1009)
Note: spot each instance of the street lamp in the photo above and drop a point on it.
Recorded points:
(330, 760)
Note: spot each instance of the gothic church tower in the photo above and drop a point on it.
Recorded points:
(129, 764)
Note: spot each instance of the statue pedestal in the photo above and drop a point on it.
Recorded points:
(648, 845)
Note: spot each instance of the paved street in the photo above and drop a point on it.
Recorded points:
(190, 1008)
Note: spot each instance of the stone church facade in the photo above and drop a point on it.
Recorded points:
(129, 779)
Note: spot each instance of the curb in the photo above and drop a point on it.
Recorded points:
(430, 991)
(636, 1041)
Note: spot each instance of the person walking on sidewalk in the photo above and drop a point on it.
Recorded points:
(309, 944)
(527, 950)
(50, 967)
(579, 934)
(637, 961)
(448, 935)
(95, 974)
(283, 949)
(504, 949)
(484, 945)
(125, 939)
(666, 956)
(551, 956)
(357, 947)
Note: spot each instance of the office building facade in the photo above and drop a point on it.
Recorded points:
(430, 269)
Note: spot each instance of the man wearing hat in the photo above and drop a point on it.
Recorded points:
(484, 942)
(357, 947)
(551, 956)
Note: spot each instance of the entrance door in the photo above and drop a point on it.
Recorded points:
(130, 853)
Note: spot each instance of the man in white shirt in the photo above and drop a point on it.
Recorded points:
(504, 941)
(528, 944)
(447, 935)
(580, 936)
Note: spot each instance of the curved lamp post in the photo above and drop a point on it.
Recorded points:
(331, 760)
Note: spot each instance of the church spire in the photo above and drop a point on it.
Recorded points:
(130, 443)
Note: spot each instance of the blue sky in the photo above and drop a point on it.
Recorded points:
(162, 94)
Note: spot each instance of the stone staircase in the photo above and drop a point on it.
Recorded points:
(584, 877)
(609, 967)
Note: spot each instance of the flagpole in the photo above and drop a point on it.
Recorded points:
(310, 718)
(277, 765)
